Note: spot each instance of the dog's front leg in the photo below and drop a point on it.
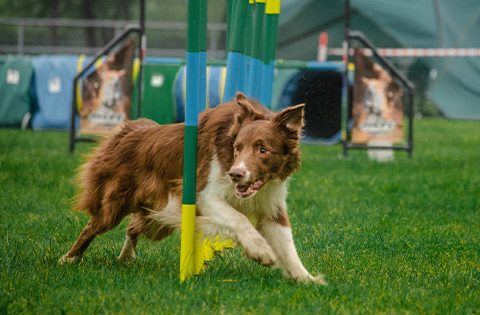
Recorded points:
(278, 234)
(219, 218)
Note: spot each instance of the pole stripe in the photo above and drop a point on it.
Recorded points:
(187, 262)
(192, 87)
(414, 52)
(273, 7)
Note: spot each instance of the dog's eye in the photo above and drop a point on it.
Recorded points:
(263, 151)
(236, 148)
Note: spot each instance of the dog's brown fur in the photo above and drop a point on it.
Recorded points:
(139, 171)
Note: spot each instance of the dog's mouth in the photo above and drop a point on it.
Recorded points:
(244, 191)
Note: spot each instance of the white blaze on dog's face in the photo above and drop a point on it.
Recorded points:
(265, 149)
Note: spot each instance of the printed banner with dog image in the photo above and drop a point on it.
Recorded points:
(377, 104)
(107, 93)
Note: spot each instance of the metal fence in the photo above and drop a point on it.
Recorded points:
(216, 36)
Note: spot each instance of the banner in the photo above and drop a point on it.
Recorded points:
(107, 93)
(377, 104)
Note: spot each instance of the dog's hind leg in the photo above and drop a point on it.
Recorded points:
(134, 231)
(128, 250)
(141, 225)
(96, 226)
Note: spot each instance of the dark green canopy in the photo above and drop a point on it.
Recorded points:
(453, 83)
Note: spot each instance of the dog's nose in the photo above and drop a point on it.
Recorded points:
(237, 174)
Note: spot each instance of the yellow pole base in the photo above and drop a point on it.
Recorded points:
(187, 251)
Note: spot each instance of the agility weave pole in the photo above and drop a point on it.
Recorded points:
(255, 73)
(195, 251)
(242, 85)
(253, 45)
(193, 105)
(235, 47)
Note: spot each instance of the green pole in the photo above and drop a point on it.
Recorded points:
(230, 18)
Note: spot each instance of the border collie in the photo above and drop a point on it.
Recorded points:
(245, 155)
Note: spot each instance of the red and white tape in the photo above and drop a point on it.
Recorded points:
(415, 52)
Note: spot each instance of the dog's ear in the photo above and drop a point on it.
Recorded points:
(243, 102)
(290, 118)
(249, 112)
(240, 97)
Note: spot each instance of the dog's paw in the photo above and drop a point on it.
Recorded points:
(65, 259)
(320, 279)
(306, 277)
(125, 258)
(263, 255)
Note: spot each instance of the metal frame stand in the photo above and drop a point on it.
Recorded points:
(408, 86)
(133, 28)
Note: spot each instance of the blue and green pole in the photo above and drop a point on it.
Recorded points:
(242, 82)
(272, 10)
(255, 73)
(247, 50)
(235, 48)
(192, 109)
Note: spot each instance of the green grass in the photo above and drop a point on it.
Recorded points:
(397, 237)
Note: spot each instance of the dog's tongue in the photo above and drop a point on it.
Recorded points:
(248, 190)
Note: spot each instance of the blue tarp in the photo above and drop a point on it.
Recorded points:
(53, 87)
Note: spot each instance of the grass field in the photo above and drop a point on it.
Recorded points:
(394, 238)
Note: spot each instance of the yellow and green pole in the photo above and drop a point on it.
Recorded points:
(193, 105)
(272, 10)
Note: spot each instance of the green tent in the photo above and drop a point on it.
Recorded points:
(15, 80)
(158, 93)
(451, 82)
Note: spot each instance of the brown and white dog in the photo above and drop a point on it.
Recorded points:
(245, 156)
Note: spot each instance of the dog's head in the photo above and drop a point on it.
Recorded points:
(265, 145)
